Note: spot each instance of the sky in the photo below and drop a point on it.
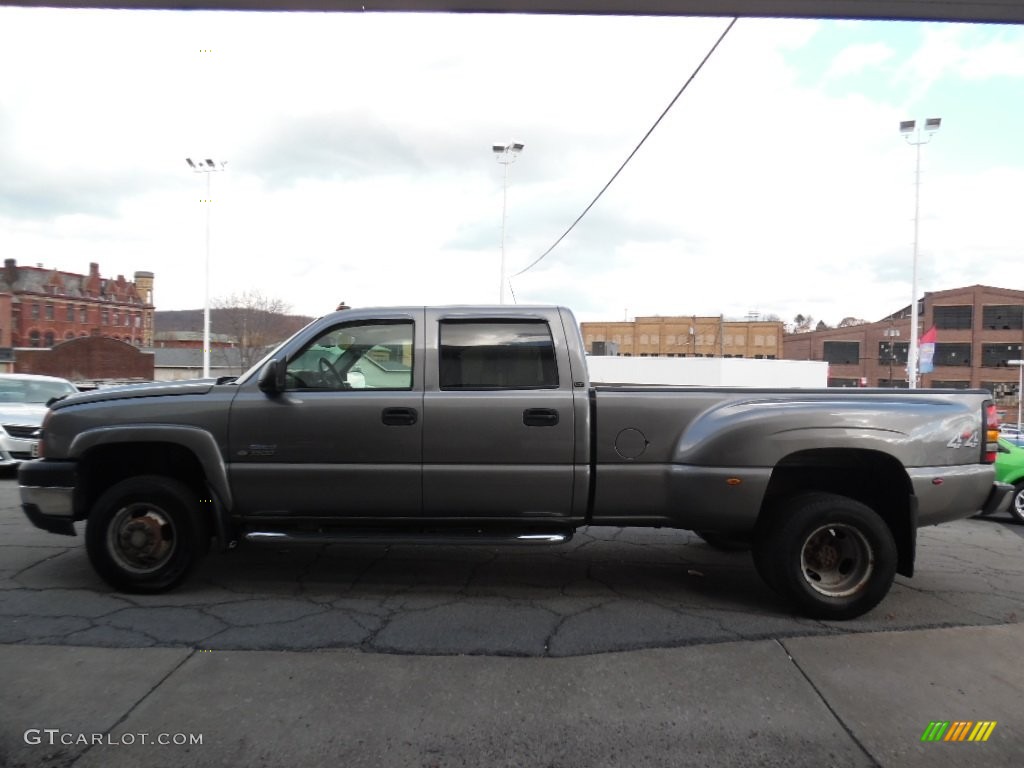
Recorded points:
(359, 162)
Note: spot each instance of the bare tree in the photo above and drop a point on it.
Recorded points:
(848, 322)
(253, 321)
(802, 323)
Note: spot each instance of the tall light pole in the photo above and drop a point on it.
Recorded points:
(506, 154)
(1020, 386)
(910, 128)
(208, 167)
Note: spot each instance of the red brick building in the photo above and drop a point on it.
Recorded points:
(42, 307)
(90, 359)
(980, 330)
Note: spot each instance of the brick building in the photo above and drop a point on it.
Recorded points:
(91, 359)
(42, 307)
(979, 330)
(685, 336)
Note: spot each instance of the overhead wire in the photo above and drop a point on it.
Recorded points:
(636, 149)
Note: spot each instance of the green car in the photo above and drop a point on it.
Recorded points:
(1010, 469)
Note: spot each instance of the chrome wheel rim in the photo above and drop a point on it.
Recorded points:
(836, 560)
(141, 538)
(1018, 504)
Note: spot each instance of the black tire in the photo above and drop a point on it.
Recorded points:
(830, 556)
(145, 534)
(724, 541)
(1017, 502)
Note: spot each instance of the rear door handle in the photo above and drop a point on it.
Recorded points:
(540, 417)
(399, 417)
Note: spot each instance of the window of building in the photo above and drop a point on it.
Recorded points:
(643, 338)
(497, 355)
(1003, 317)
(950, 384)
(69, 313)
(952, 354)
(999, 355)
(33, 338)
(958, 317)
(117, 317)
(670, 340)
(35, 310)
(104, 316)
(48, 339)
(758, 340)
(844, 382)
(83, 314)
(49, 311)
(893, 352)
(893, 383)
(1001, 389)
(842, 353)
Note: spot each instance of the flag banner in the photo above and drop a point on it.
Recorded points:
(926, 353)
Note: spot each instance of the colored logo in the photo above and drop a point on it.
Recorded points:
(958, 730)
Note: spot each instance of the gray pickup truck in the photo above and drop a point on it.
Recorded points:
(479, 425)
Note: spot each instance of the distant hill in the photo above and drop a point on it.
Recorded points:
(280, 326)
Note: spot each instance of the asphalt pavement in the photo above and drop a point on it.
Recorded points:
(621, 648)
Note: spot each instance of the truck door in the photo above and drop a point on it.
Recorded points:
(498, 437)
(345, 437)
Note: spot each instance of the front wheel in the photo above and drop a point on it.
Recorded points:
(1017, 503)
(145, 534)
(829, 555)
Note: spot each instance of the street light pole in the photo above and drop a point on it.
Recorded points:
(208, 167)
(908, 127)
(506, 154)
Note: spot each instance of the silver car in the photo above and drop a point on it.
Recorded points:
(23, 399)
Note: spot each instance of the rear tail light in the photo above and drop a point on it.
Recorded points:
(991, 433)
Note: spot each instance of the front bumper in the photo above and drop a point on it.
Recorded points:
(47, 494)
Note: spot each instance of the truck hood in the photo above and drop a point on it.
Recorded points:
(132, 391)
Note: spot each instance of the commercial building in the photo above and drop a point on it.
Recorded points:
(42, 307)
(685, 336)
(979, 330)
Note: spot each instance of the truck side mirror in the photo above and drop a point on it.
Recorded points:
(271, 379)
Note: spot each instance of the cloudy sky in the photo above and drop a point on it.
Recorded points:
(360, 164)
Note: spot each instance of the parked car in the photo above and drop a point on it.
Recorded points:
(1010, 469)
(23, 399)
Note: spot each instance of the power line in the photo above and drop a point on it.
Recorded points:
(636, 149)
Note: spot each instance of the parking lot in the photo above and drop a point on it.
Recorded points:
(616, 648)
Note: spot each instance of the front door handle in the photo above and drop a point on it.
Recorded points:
(540, 417)
(399, 417)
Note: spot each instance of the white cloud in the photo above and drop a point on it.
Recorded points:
(857, 58)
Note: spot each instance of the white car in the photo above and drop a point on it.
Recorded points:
(23, 399)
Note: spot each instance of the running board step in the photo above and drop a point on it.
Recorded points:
(484, 538)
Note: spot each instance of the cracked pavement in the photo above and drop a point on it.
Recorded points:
(609, 589)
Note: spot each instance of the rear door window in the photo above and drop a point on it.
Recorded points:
(497, 355)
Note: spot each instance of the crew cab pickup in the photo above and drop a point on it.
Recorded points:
(479, 424)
